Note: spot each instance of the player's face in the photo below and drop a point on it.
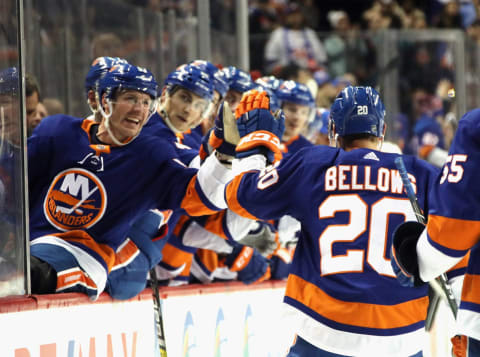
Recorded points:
(9, 119)
(41, 110)
(31, 107)
(185, 109)
(296, 116)
(233, 99)
(210, 121)
(130, 112)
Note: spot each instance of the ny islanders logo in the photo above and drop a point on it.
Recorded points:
(76, 199)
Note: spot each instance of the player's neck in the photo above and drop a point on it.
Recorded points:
(363, 144)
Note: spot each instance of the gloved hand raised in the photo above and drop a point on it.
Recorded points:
(260, 130)
(223, 137)
(404, 253)
(250, 265)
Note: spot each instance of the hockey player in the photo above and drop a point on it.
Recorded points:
(238, 82)
(99, 67)
(187, 88)
(341, 295)
(423, 253)
(298, 106)
(128, 276)
(11, 184)
(90, 181)
(317, 131)
(193, 137)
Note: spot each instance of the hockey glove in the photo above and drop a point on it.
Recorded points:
(224, 136)
(262, 238)
(259, 129)
(250, 265)
(404, 253)
(280, 264)
(148, 233)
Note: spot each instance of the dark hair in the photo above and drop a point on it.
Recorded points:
(348, 140)
(31, 85)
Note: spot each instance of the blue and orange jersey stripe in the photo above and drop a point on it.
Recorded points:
(215, 224)
(82, 238)
(359, 314)
(68, 278)
(441, 229)
(192, 203)
(231, 196)
(125, 254)
(208, 258)
(471, 289)
(175, 257)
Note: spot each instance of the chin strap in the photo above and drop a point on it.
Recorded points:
(380, 144)
(2, 117)
(107, 124)
(164, 115)
(106, 117)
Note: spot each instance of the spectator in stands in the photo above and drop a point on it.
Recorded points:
(413, 16)
(335, 43)
(32, 94)
(53, 106)
(262, 19)
(418, 21)
(450, 16)
(8, 31)
(107, 44)
(326, 91)
(298, 74)
(42, 111)
(473, 32)
(293, 42)
(384, 14)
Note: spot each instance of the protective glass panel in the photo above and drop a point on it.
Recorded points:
(12, 234)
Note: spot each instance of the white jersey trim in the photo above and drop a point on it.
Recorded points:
(238, 226)
(468, 323)
(197, 236)
(431, 261)
(352, 344)
(89, 265)
(212, 177)
(253, 162)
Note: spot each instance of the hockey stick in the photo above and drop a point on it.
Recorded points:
(439, 284)
(158, 313)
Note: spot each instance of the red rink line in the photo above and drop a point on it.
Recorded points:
(197, 289)
(11, 304)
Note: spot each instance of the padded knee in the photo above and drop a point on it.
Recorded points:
(43, 277)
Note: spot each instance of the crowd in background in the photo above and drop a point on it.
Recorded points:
(326, 46)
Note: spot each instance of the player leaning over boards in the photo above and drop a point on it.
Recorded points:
(89, 181)
(342, 295)
(186, 98)
(452, 232)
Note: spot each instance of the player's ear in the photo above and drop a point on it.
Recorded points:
(104, 104)
(164, 95)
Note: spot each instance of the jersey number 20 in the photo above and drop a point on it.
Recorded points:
(376, 226)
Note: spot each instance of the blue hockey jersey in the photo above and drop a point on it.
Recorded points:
(99, 190)
(295, 144)
(342, 291)
(454, 221)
